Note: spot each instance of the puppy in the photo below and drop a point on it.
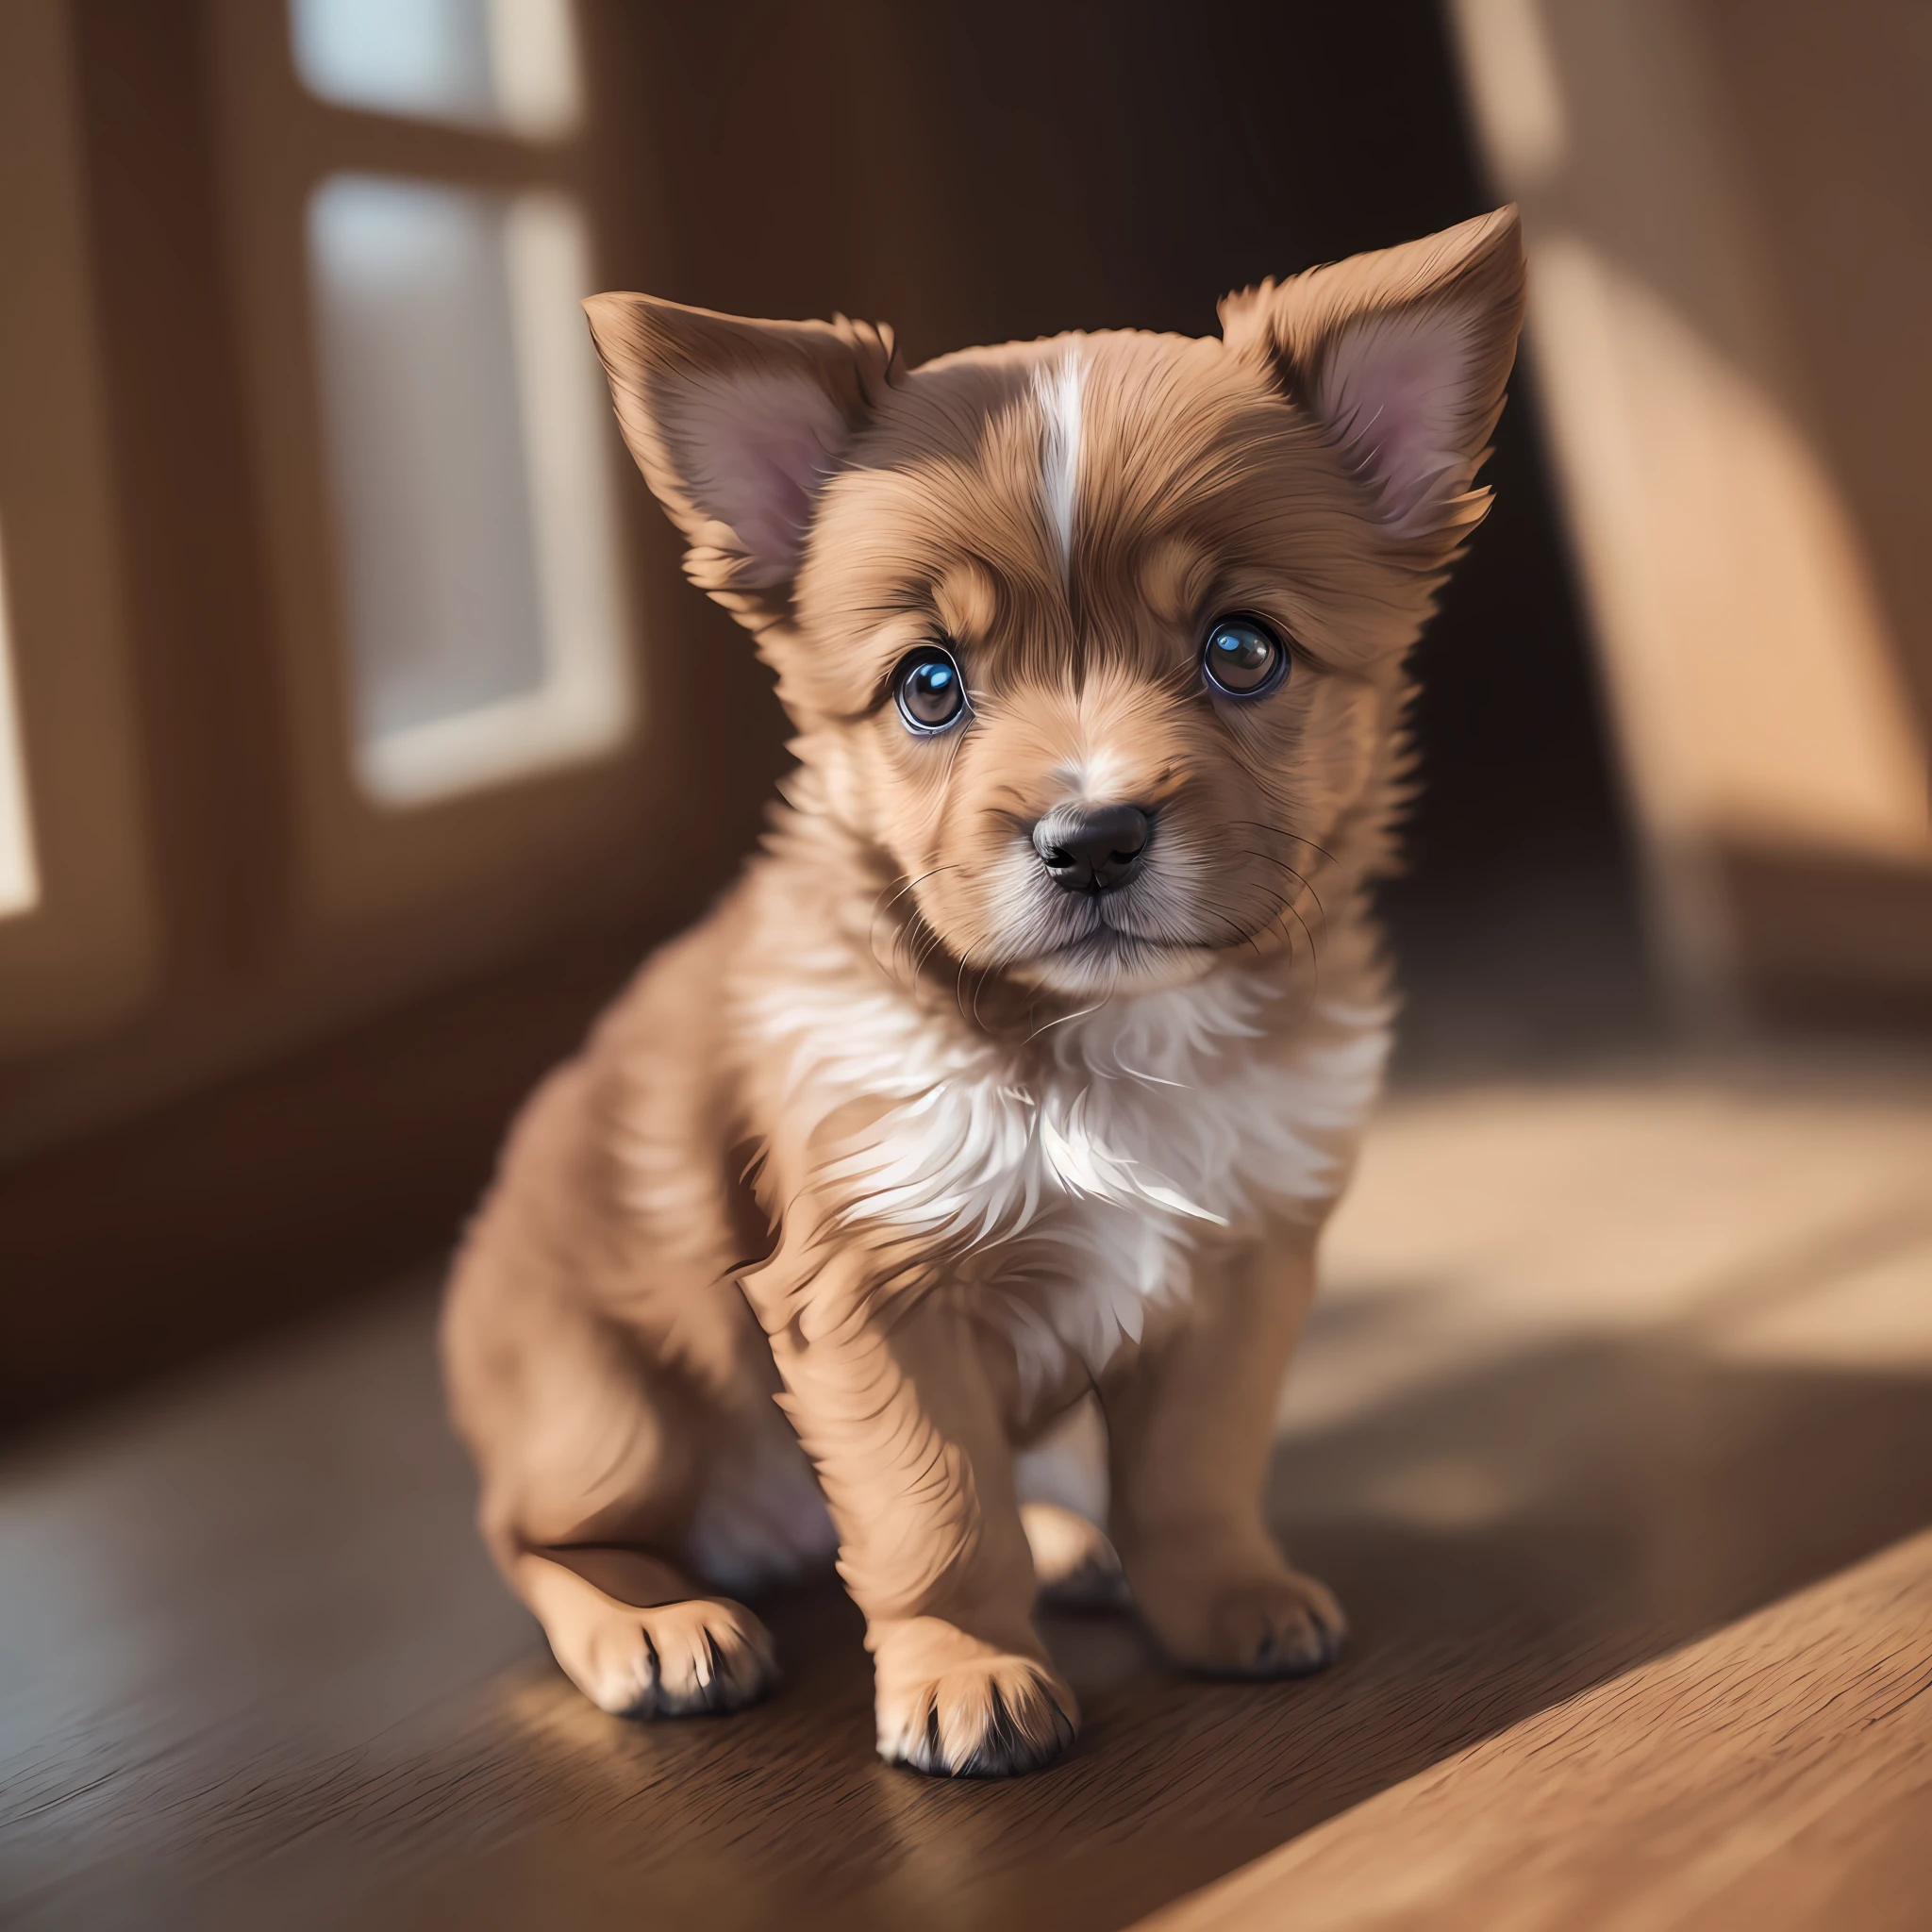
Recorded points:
(1025, 1061)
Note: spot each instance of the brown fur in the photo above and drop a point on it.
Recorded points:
(748, 1195)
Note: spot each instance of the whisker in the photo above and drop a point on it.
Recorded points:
(880, 910)
(1282, 832)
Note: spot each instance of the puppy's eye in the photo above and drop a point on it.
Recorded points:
(1242, 658)
(930, 692)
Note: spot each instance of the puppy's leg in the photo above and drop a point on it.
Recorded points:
(902, 1418)
(589, 1467)
(1062, 1484)
(1189, 1421)
(636, 1636)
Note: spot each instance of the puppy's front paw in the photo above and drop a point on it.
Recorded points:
(1254, 1621)
(673, 1659)
(978, 1713)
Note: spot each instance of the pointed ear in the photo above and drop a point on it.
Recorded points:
(1402, 357)
(737, 424)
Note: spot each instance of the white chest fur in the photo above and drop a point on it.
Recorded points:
(1073, 1183)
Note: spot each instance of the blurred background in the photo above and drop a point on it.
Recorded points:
(357, 731)
(358, 736)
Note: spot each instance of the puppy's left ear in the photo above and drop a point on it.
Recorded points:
(1401, 356)
(737, 424)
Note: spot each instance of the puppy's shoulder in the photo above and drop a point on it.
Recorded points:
(672, 1006)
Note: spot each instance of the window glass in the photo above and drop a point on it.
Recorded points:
(492, 63)
(20, 886)
(466, 428)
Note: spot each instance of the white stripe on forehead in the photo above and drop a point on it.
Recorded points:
(1056, 388)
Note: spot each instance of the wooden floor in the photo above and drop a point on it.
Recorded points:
(1605, 1363)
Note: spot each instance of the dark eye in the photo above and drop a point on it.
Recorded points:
(1244, 658)
(930, 692)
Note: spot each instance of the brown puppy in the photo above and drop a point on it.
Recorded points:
(1027, 1059)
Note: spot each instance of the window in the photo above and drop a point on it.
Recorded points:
(462, 411)
(464, 418)
(416, 194)
(507, 64)
(20, 886)
(77, 948)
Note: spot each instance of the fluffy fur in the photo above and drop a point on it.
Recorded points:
(905, 1152)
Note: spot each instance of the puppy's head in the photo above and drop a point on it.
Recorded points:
(1095, 644)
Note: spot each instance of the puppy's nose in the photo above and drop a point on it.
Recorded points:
(1086, 851)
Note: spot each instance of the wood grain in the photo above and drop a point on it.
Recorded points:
(1777, 1776)
(255, 1669)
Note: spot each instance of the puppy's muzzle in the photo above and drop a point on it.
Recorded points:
(1092, 851)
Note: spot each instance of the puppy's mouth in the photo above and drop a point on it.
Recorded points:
(1156, 929)
(1103, 939)
(1107, 940)
(1107, 959)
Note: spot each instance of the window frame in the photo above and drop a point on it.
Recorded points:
(472, 873)
(81, 961)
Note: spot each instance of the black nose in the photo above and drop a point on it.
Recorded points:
(1092, 851)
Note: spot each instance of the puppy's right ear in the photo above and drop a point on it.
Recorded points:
(737, 426)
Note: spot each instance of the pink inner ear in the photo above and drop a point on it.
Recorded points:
(761, 446)
(1395, 390)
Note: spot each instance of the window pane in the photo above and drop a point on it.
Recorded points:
(420, 372)
(20, 885)
(494, 63)
(466, 426)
